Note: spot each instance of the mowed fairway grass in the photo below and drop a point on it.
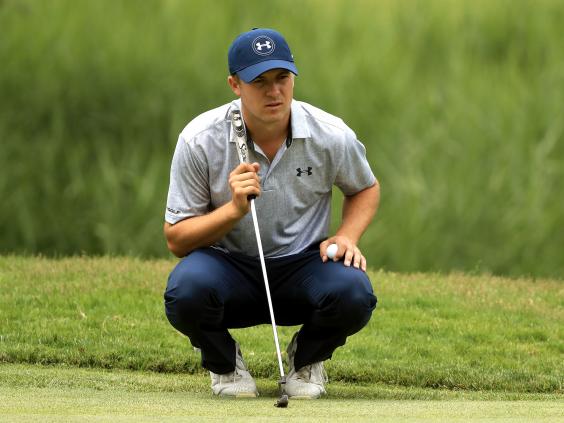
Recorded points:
(86, 339)
(95, 395)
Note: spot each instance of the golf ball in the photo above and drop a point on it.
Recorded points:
(332, 251)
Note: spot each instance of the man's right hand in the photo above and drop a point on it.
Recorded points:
(244, 182)
(202, 231)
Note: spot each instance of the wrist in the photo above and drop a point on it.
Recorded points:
(233, 212)
(352, 238)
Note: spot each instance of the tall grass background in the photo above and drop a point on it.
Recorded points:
(459, 104)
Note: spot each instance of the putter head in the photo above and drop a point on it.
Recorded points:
(282, 401)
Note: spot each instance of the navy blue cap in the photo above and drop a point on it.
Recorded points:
(257, 51)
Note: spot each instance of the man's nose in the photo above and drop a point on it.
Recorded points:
(273, 88)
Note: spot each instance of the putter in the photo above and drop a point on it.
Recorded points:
(241, 139)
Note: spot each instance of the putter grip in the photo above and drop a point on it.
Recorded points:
(241, 140)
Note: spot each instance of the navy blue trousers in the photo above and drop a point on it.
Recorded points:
(210, 291)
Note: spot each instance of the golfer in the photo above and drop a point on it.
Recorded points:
(298, 153)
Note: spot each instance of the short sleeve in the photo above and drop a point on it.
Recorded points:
(354, 173)
(188, 193)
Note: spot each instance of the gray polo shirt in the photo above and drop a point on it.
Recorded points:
(294, 206)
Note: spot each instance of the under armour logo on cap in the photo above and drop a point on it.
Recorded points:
(257, 51)
(263, 45)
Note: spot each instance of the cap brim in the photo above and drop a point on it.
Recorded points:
(251, 72)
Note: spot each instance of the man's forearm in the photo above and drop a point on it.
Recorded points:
(201, 231)
(358, 211)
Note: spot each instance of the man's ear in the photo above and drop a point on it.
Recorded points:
(234, 83)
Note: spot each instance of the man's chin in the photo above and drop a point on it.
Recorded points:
(276, 113)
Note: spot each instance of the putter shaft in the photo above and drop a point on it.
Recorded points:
(267, 286)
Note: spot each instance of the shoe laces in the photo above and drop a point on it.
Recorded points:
(315, 369)
(233, 376)
(236, 375)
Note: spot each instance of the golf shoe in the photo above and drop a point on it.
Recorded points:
(238, 383)
(307, 382)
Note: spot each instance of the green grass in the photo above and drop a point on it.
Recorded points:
(36, 393)
(456, 332)
(458, 103)
(37, 376)
(86, 339)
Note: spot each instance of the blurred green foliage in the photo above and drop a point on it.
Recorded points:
(460, 106)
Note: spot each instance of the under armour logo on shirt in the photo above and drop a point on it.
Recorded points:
(307, 171)
(263, 45)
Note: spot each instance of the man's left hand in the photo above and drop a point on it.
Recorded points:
(347, 251)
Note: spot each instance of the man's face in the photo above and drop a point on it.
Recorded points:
(268, 97)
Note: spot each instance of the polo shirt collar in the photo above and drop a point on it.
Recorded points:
(298, 120)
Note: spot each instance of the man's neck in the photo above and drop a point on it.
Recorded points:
(267, 135)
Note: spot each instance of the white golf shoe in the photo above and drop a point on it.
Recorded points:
(238, 383)
(307, 382)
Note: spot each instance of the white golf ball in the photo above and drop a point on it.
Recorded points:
(332, 251)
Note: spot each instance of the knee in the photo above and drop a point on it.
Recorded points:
(354, 301)
(187, 294)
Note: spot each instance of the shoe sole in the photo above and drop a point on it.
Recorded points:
(238, 395)
(302, 397)
(246, 395)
